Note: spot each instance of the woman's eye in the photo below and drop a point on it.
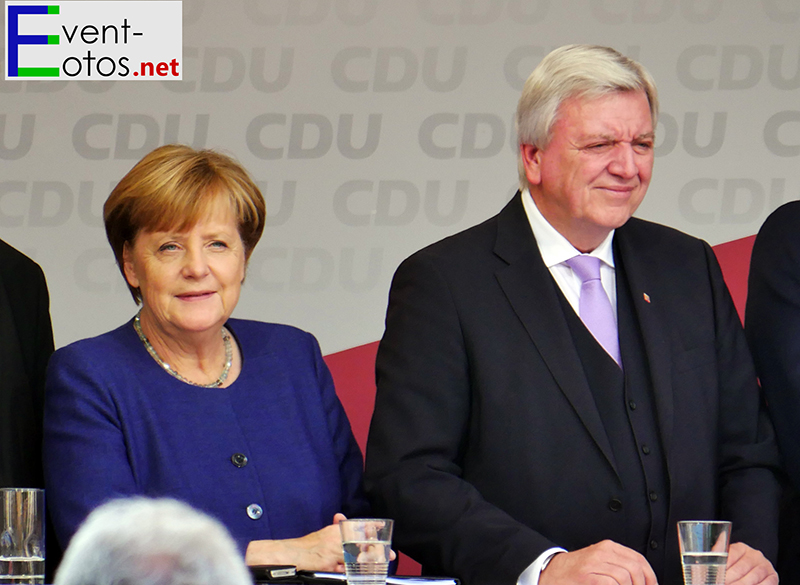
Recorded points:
(168, 247)
(219, 244)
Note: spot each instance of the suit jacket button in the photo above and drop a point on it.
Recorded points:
(615, 505)
(653, 497)
(653, 544)
(239, 459)
(254, 511)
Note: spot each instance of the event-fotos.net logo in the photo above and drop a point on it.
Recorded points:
(94, 40)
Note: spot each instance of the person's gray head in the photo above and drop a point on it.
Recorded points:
(142, 541)
(588, 71)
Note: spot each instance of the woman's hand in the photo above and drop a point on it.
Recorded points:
(318, 551)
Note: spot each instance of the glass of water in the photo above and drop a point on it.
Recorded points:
(704, 551)
(21, 535)
(367, 544)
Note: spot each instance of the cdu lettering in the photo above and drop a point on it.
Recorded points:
(283, 212)
(670, 132)
(392, 203)
(307, 270)
(134, 135)
(224, 69)
(737, 201)
(482, 135)
(777, 131)
(19, 144)
(310, 136)
(396, 69)
(737, 67)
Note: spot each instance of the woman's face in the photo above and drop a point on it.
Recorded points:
(190, 280)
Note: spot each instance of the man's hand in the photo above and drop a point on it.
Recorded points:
(747, 566)
(604, 563)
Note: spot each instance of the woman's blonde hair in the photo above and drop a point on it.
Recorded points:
(171, 188)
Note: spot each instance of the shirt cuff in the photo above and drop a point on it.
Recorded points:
(530, 576)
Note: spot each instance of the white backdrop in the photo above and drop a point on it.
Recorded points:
(376, 127)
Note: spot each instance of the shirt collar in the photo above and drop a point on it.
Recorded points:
(555, 248)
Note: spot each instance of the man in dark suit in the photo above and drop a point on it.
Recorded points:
(772, 325)
(26, 342)
(530, 430)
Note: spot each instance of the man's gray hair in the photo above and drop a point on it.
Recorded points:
(143, 541)
(587, 71)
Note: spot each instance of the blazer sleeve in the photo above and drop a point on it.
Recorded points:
(772, 324)
(418, 434)
(345, 447)
(85, 457)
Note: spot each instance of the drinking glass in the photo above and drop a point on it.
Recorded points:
(704, 551)
(22, 536)
(367, 544)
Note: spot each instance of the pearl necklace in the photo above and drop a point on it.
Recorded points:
(226, 339)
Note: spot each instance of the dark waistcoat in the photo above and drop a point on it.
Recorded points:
(627, 409)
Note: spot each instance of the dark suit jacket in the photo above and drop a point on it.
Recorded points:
(26, 342)
(486, 445)
(772, 323)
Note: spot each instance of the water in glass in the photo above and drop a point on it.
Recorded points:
(366, 562)
(704, 568)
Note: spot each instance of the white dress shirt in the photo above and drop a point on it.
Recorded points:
(555, 251)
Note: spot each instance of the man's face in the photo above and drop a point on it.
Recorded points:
(594, 173)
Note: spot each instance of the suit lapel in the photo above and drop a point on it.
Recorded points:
(530, 290)
(641, 271)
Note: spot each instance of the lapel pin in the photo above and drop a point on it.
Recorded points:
(646, 297)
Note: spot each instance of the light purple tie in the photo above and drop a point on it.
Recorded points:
(594, 307)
